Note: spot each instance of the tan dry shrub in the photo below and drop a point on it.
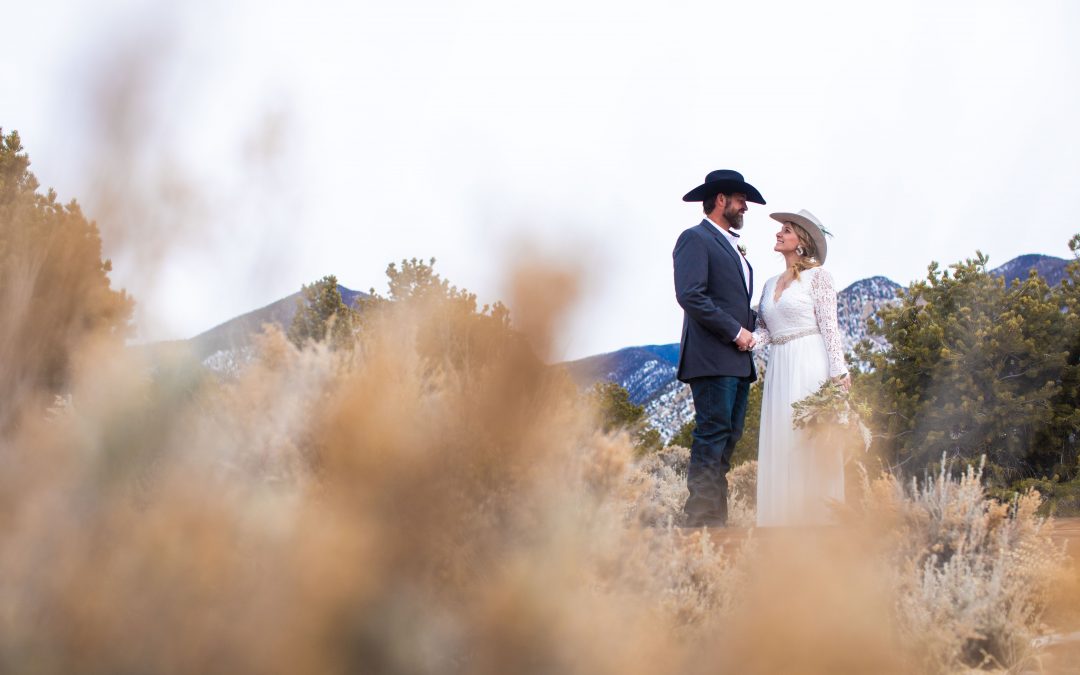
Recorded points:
(971, 575)
(742, 494)
(661, 479)
(813, 602)
(325, 512)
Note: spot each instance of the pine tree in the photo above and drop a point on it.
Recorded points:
(322, 315)
(974, 367)
(454, 333)
(1057, 449)
(612, 402)
(55, 291)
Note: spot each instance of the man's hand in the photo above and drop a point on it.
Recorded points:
(744, 340)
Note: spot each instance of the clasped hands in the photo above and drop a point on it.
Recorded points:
(744, 340)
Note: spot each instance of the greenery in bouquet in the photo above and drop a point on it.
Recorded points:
(829, 410)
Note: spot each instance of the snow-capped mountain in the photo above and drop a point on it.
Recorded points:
(642, 371)
(859, 302)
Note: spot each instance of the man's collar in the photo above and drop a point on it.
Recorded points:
(728, 231)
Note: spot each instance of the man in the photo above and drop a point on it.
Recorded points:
(713, 284)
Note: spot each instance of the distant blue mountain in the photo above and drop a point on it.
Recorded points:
(641, 370)
(669, 353)
(1051, 269)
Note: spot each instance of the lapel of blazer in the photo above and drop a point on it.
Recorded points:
(735, 255)
(751, 268)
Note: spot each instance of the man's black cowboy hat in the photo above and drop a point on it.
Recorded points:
(727, 181)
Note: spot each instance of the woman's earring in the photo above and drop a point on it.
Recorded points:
(800, 250)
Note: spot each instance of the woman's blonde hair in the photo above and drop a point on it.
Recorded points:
(809, 256)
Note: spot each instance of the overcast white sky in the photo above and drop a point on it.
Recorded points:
(272, 143)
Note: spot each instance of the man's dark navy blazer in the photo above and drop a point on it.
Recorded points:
(711, 288)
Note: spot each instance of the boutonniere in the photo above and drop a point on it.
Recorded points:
(742, 249)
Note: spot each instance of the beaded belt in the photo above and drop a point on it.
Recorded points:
(784, 339)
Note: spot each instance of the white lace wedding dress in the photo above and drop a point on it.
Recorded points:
(796, 479)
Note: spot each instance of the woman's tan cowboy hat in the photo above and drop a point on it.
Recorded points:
(813, 227)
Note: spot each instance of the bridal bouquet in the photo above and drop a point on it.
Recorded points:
(830, 411)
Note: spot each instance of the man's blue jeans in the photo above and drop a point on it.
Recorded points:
(720, 405)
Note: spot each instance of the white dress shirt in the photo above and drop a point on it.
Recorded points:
(733, 240)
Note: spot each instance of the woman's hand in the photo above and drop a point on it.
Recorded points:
(844, 381)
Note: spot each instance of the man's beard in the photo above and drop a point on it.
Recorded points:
(733, 218)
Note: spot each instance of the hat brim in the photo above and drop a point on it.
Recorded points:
(811, 228)
(706, 190)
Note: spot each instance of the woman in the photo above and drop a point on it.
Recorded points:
(797, 318)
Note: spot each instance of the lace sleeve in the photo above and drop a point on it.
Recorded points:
(824, 295)
(761, 331)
